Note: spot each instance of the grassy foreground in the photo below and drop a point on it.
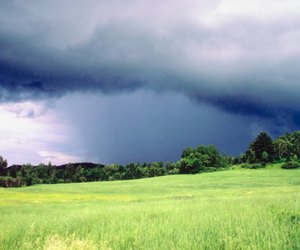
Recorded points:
(235, 209)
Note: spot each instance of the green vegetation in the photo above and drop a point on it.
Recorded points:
(200, 159)
(290, 165)
(262, 151)
(240, 208)
(3, 166)
(234, 209)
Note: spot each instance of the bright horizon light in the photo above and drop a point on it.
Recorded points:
(29, 132)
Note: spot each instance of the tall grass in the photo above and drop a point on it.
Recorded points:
(240, 209)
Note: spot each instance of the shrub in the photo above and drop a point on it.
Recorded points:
(7, 182)
(290, 165)
(82, 179)
(245, 165)
(258, 165)
(209, 169)
(253, 166)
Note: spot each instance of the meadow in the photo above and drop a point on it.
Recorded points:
(233, 209)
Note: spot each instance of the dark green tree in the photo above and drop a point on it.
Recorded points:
(70, 173)
(41, 173)
(156, 169)
(201, 158)
(27, 174)
(186, 152)
(3, 166)
(265, 156)
(51, 172)
(250, 156)
(263, 143)
(133, 171)
(189, 165)
(79, 174)
(172, 168)
(287, 146)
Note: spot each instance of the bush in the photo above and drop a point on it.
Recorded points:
(209, 169)
(7, 182)
(82, 179)
(245, 165)
(258, 165)
(253, 166)
(290, 165)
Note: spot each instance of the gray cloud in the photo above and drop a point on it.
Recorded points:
(144, 126)
(238, 61)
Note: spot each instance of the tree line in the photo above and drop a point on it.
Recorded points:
(264, 150)
(261, 151)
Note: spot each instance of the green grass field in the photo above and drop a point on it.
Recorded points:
(234, 209)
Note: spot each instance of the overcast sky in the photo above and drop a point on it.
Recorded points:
(121, 81)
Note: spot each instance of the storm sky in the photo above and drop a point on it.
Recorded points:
(122, 81)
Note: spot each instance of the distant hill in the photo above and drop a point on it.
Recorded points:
(85, 165)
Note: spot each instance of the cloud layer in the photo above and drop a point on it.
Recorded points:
(145, 126)
(241, 58)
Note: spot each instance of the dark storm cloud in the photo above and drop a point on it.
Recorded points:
(237, 61)
(249, 106)
(144, 126)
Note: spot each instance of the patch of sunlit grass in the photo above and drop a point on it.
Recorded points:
(240, 209)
